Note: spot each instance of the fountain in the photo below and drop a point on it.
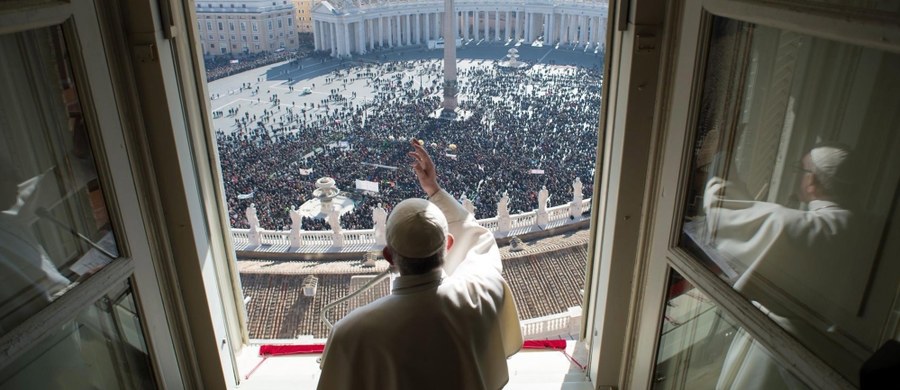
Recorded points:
(512, 60)
(325, 196)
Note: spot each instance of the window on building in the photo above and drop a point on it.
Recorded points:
(256, 37)
(221, 27)
(208, 26)
(243, 26)
(253, 25)
(270, 25)
(279, 23)
(230, 26)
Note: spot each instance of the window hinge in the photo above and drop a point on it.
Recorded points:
(646, 42)
(145, 52)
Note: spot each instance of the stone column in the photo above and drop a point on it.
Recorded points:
(418, 29)
(583, 24)
(427, 27)
(317, 34)
(516, 28)
(436, 27)
(408, 34)
(465, 24)
(529, 27)
(361, 37)
(370, 30)
(475, 20)
(347, 36)
(332, 37)
(550, 35)
(506, 30)
(497, 35)
(398, 39)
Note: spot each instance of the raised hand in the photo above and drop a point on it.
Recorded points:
(424, 168)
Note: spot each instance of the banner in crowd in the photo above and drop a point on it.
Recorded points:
(536, 171)
(245, 196)
(305, 171)
(366, 185)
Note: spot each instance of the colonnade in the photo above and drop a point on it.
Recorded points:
(344, 35)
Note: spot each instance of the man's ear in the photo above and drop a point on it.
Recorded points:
(388, 255)
(449, 241)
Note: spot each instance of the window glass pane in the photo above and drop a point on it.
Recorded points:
(102, 348)
(54, 227)
(793, 193)
(701, 347)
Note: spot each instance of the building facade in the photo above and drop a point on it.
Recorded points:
(303, 13)
(234, 27)
(356, 28)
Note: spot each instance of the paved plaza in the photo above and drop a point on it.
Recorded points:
(226, 92)
(282, 126)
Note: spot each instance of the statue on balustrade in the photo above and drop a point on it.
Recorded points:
(252, 219)
(467, 204)
(577, 189)
(504, 224)
(575, 208)
(503, 206)
(379, 218)
(334, 219)
(543, 197)
(296, 219)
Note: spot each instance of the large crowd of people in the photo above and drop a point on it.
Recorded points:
(527, 129)
(224, 66)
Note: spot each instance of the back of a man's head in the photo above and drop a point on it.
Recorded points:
(416, 233)
(831, 167)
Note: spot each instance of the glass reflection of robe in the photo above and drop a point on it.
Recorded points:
(800, 267)
(28, 279)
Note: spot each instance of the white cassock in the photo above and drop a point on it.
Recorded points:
(799, 264)
(450, 329)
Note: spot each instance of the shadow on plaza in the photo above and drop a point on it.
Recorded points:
(311, 68)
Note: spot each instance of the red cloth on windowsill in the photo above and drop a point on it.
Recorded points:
(278, 350)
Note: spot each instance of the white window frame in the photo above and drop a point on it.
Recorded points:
(676, 115)
(113, 146)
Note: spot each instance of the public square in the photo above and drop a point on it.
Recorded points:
(282, 126)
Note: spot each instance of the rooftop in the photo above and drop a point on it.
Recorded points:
(546, 278)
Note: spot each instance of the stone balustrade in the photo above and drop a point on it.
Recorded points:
(555, 326)
(351, 241)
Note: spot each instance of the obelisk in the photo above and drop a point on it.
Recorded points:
(450, 25)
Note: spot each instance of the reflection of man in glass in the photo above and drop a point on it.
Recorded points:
(795, 264)
(28, 279)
